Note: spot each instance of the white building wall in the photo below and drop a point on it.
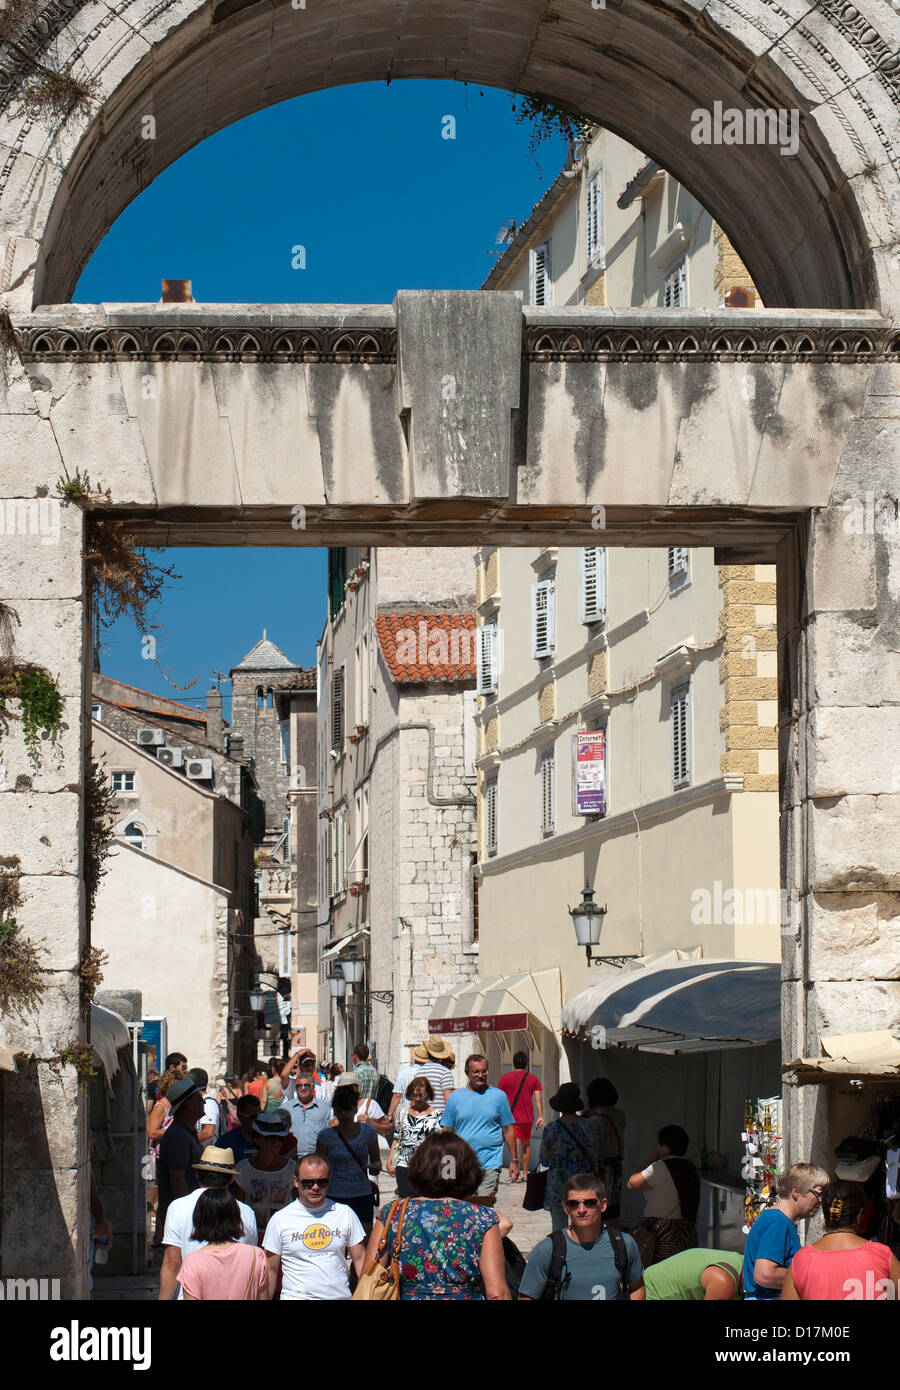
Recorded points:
(166, 934)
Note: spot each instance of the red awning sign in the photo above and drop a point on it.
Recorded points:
(480, 1023)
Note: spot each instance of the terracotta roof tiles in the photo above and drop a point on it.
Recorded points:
(427, 647)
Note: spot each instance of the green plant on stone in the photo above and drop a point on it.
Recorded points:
(42, 705)
(99, 819)
(550, 122)
(21, 976)
(80, 1056)
(90, 976)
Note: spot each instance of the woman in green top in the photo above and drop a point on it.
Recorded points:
(272, 1094)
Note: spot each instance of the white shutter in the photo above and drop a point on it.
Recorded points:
(342, 852)
(329, 860)
(490, 817)
(486, 660)
(543, 618)
(675, 288)
(595, 217)
(681, 762)
(548, 809)
(678, 560)
(593, 584)
(540, 274)
(337, 710)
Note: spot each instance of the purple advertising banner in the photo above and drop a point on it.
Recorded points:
(589, 767)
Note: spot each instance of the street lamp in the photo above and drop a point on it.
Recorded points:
(352, 966)
(587, 919)
(257, 1000)
(336, 982)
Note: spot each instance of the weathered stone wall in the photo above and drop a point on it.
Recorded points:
(748, 674)
(420, 858)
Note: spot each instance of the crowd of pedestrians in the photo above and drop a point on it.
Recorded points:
(268, 1187)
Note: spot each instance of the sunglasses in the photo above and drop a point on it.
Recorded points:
(589, 1202)
(309, 1183)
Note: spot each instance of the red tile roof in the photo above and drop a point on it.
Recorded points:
(420, 647)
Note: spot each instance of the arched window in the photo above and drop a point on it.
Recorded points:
(259, 697)
(134, 834)
(269, 699)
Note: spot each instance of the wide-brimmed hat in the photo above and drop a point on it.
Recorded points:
(273, 1125)
(858, 1172)
(439, 1049)
(346, 1078)
(214, 1160)
(567, 1099)
(420, 1054)
(181, 1091)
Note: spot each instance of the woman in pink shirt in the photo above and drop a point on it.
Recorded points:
(842, 1265)
(225, 1269)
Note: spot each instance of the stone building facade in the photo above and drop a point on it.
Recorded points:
(396, 793)
(273, 727)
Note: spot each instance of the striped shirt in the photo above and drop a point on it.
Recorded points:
(441, 1079)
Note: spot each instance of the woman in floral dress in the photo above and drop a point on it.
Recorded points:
(416, 1122)
(450, 1249)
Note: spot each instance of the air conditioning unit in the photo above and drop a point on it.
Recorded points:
(151, 736)
(199, 769)
(172, 757)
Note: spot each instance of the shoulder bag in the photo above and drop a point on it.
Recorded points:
(363, 1167)
(380, 1283)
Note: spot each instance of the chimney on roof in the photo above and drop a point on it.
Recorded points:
(236, 746)
(214, 719)
(177, 292)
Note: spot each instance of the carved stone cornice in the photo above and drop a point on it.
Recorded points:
(546, 342)
(207, 343)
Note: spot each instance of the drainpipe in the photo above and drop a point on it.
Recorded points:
(429, 786)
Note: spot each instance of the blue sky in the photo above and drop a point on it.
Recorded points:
(364, 180)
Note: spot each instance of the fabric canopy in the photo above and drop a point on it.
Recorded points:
(336, 947)
(697, 1005)
(109, 1033)
(875, 1054)
(506, 1003)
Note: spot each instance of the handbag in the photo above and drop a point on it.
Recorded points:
(363, 1168)
(379, 1283)
(535, 1190)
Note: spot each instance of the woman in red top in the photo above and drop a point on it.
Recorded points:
(842, 1265)
(254, 1080)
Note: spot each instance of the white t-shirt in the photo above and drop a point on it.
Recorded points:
(212, 1115)
(374, 1111)
(312, 1246)
(180, 1223)
(266, 1192)
(661, 1197)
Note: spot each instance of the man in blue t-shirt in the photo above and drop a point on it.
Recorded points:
(773, 1240)
(480, 1114)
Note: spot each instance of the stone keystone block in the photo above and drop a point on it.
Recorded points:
(459, 354)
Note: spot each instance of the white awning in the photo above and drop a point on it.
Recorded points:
(874, 1054)
(109, 1034)
(680, 1006)
(337, 946)
(506, 1003)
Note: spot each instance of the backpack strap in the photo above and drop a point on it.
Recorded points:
(620, 1254)
(556, 1280)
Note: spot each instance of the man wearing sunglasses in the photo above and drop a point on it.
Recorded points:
(308, 1240)
(588, 1262)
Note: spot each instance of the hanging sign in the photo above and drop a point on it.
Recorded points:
(589, 772)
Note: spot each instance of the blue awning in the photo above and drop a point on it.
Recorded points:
(689, 1006)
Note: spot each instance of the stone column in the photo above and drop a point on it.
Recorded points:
(839, 756)
(43, 1123)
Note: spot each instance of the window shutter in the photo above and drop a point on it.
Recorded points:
(675, 288)
(342, 852)
(678, 560)
(543, 625)
(329, 860)
(548, 810)
(681, 769)
(595, 217)
(593, 584)
(490, 817)
(540, 274)
(337, 710)
(486, 660)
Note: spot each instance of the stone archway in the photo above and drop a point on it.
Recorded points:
(816, 228)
